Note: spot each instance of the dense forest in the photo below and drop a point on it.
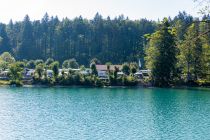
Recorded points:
(109, 40)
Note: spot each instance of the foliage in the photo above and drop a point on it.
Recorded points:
(39, 61)
(71, 63)
(21, 64)
(15, 72)
(133, 67)
(31, 64)
(108, 64)
(161, 55)
(129, 81)
(5, 45)
(16, 83)
(116, 70)
(126, 68)
(7, 57)
(39, 70)
(65, 64)
(82, 67)
(49, 61)
(3, 65)
(93, 69)
(175, 55)
(55, 68)
(88, 81)
(79, 38)
(190, 51)
(98, 82)
(3, 82)
(96, 61)
(5, 60)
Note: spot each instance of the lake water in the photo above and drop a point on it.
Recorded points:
(113, 113)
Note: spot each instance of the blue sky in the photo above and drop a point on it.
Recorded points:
(134, 9)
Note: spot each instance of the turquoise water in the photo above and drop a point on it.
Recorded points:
(118, 113)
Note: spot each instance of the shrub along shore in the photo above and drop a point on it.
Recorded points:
(51, 73)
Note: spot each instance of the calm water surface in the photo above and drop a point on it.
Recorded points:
(118, 113)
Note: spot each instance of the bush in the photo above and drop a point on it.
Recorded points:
(130, 81)
(16, 83)
(15, 72)
(7, 57)
(88, 81)
(44, 81)
(39, 61)
(93, 68)
(96, 61)
(31, 64)
(71, 63)
(55, 68)
(126, 68)
(133, 67)
(77, 79)
(39, 70)
(49, 61)
(98, 82)
(112, 81)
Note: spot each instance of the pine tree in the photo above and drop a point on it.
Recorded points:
(4, 40)
(190, 57)
(25, 50)
(161, 55)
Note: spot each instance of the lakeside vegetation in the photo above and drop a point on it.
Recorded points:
(49, 73)
(177, 51)
(176, 57)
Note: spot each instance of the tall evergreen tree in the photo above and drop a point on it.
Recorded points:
(25, 50)
(190, 59)
(161, 55)
(4, 40)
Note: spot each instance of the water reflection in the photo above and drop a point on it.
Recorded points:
(93, 113)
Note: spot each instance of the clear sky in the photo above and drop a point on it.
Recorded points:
(134, 9)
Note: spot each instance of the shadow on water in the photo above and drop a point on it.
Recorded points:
(141, 113)
(177, 112)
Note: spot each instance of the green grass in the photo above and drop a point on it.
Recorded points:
(4, 82)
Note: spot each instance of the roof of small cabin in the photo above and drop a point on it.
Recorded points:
(145, 71)
(120, 73)
(104, 67)
(49, 71)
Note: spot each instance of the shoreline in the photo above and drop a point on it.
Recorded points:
(105, 87)
(149, 86)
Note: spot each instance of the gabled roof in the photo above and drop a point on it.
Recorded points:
(104, 67)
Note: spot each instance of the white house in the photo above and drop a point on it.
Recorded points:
(120, 73)
(4, 75)
(86, 72)
(142, 74)
(103, 75)
(28, 73)
(49, 73)
(103, 70)
(66, 71)
(105, 67)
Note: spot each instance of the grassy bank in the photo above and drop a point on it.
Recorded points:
(3, 82)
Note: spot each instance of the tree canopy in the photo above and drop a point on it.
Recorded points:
(109, 40)
(161, 55)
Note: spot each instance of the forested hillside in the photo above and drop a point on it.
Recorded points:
(175, 49)
(109, 40)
